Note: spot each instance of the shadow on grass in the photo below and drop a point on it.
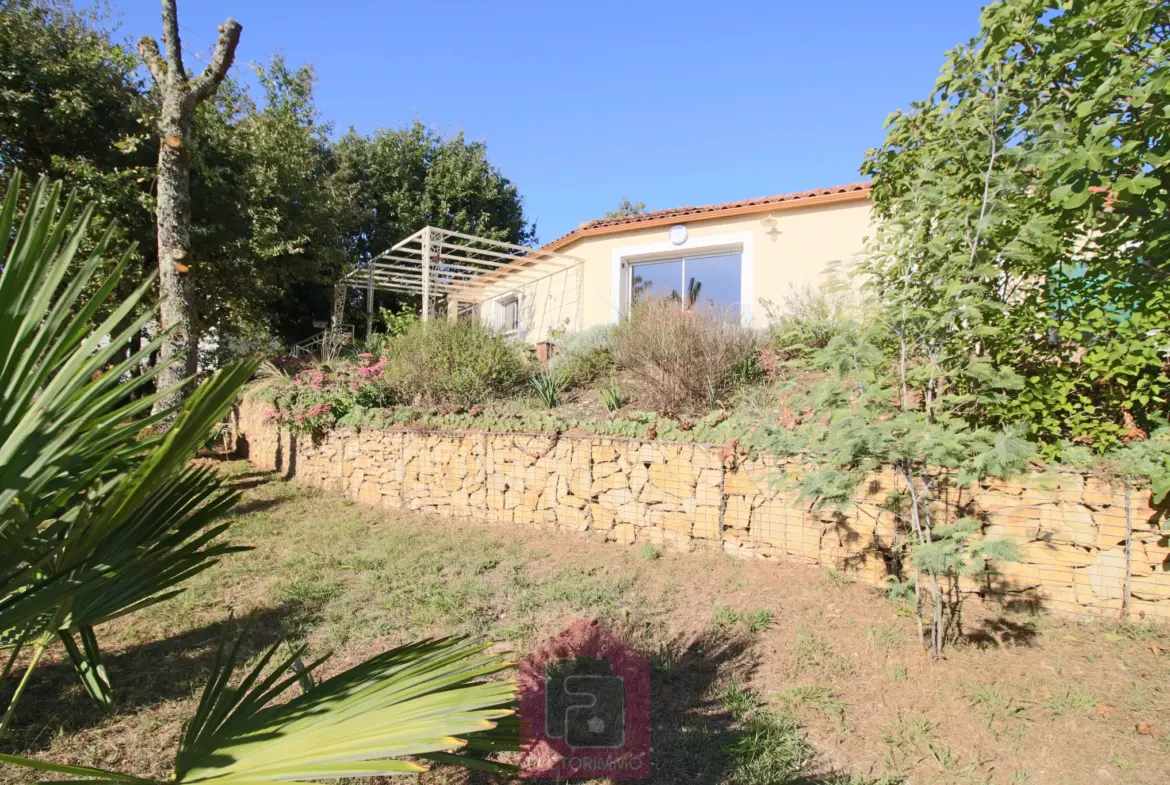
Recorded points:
(693, 735)
(255, 505)
(144, 677)
(1001, 631)
(249, 480)
(693, 732)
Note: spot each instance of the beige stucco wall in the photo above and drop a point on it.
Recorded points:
(806, 240)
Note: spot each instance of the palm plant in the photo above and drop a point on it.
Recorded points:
(415, 700)
(102, 515)
(99, 516)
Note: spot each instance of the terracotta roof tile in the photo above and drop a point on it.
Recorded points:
(610, 224)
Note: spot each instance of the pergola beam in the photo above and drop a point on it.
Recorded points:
(440, 262)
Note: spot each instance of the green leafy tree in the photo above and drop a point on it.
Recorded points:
(1032, 185)
(627, 208)
(73, 106)
(267, 211)
(403, 180)
(862, 416)
(395, 182)
(278, 209)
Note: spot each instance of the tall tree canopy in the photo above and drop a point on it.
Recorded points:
(402, 180)
(279, 209)
(72, 106)
(1024, 214)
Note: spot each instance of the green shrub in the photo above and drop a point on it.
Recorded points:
(586, 356)
(453, 362)
(805, 321)
(322, 393)
(682, 360)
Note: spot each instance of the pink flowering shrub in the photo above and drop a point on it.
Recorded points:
(320, 395)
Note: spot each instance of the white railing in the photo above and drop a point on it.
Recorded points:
(325, 342)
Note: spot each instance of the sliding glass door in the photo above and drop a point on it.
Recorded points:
(701, 283)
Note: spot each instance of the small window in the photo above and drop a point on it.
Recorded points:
(510, 314)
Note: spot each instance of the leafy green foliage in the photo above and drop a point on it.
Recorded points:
(514, 416)
(548, 386)
(268, 216)
(279, 208)
(805, 320)
(98, 516)
(1026, 198)
(1135, 464)
(862, 416)
(415, 701)
(611, 397)
(396, 181)
(585, 356)
(319, 396)
(453, 362)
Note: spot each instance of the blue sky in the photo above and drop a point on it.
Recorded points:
(671, 103)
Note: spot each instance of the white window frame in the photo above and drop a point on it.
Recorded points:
(501, 307)
(623, 258)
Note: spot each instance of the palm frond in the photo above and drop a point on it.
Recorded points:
(96, 521)
(431, 700)
(415, 700)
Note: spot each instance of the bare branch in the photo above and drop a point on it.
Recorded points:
(171, 42)
(225, 51)
(148, 48)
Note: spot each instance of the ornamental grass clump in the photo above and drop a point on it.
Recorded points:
(681, 360)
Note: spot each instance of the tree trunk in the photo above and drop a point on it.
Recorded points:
(176, 288)
(180, 96)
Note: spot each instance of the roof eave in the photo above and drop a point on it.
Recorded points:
(709, 215)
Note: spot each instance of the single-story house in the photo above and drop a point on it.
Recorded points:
(732, 258)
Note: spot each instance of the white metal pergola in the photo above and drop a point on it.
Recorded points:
(441, 264)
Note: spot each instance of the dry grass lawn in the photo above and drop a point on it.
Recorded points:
(764, 672)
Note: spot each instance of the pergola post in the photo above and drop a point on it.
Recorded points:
(370, 303)
(338, 306)
(427, 252)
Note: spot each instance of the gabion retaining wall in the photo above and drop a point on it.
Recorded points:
(1087, 548)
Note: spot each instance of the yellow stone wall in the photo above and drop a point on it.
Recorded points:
(1078, 551)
